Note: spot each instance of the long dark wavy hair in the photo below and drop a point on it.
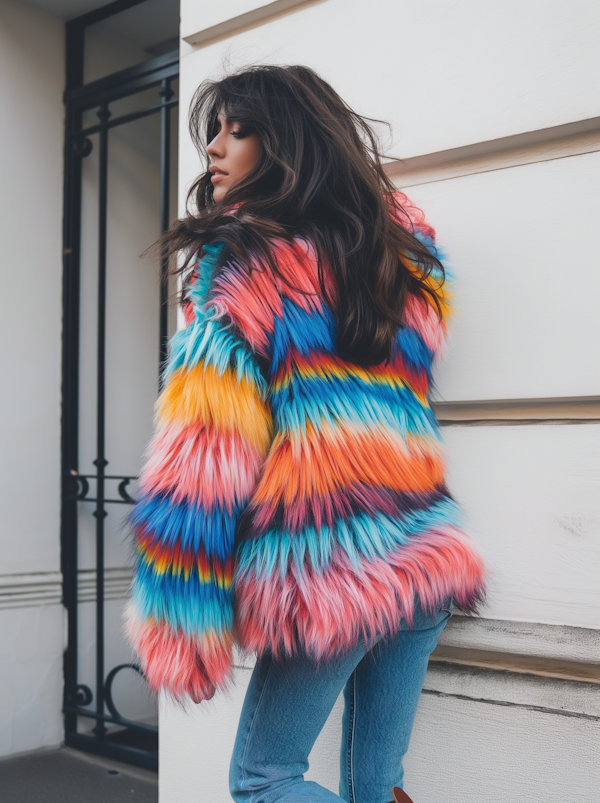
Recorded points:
(320, 177)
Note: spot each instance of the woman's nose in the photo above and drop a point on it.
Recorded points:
(215, 148)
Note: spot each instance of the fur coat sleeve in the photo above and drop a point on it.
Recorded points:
(213, 430)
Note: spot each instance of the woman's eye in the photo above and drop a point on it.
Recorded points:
(238, 133)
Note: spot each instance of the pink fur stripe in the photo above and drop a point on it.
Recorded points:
(181, 665)
(424, 318)
(251, 300)
(329, 612)
(298, 265)
(410, 216)
(202, 465)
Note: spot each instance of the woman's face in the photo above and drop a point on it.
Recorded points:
(233, 154)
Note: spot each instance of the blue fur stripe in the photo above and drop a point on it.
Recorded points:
(192, 606)
(198, 291)
(207, 338)
(335, 402)
(415, 352)
(361, 537)
(192, 526)
(306, 332)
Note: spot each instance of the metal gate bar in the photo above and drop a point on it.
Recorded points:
(165, 177)
(158, 72)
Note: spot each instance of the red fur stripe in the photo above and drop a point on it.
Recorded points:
(251, 300)
(172, 558)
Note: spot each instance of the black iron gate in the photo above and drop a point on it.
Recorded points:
(112, 735)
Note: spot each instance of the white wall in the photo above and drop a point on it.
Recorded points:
(448, 74)
(517, 331)
(510, 711)
(31, 141)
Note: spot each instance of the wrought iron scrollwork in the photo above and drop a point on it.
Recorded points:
(84, 695)
(83, 146)
(108, 698)
(80, 486)
(122, 489)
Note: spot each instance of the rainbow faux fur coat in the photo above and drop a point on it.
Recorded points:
(289, 498)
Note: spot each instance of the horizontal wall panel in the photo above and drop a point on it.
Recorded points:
(521, 244)
(46, 588)
(543, 145)
(532, 503)
(31, 678)
(444, 73)
(500, 411)
(195, 18)
(202, 23)
(473, 752)
(550, 643)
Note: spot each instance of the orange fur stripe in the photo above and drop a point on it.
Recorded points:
(442, 292)
(320, 462)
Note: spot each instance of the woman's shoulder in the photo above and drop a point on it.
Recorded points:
(255, 293)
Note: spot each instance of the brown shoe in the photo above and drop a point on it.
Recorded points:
(400, 795)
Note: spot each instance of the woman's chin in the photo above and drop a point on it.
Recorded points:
(219, 193)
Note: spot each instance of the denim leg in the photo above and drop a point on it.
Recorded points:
(381, 700)
(286, 706)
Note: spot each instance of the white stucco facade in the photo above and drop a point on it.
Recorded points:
(496, 117)
(31, 616)
(494, 112)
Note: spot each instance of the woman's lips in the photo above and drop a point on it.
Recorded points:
(217, 176)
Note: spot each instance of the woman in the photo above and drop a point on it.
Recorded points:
(293, 501)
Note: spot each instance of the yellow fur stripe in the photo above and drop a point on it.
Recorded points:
(443, 293)
(203, 395)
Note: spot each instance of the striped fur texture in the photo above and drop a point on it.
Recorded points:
(290, 499)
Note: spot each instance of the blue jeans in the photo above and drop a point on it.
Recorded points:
(288, 702)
